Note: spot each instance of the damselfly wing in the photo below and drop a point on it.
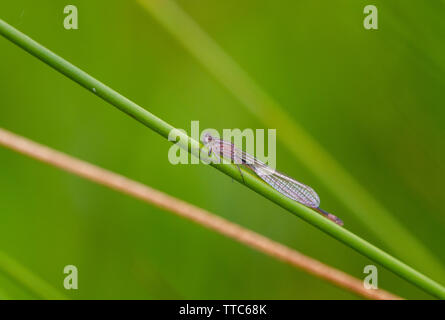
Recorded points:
(284, 184)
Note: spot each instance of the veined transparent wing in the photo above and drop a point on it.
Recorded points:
(286, 185)
(282, 183)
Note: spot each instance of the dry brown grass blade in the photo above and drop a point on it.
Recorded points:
(191, 212)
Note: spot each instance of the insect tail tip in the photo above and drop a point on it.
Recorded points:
(336, 219)
(331, 217)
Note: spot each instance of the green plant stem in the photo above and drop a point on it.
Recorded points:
(163, 128)
(302, 145)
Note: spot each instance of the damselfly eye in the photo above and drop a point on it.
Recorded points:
(207, 138)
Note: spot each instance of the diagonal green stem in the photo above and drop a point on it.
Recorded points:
(163, 128)
(302, 145)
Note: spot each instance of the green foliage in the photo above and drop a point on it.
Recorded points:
(372, 99)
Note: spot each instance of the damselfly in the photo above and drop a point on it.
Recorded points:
(282, 183)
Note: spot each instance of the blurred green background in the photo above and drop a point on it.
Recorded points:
(373, 99)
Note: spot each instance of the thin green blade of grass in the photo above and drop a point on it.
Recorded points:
(252, 182)
(302, 145)
(29, 281)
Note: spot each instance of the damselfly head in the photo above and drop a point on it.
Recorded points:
(207, 138)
